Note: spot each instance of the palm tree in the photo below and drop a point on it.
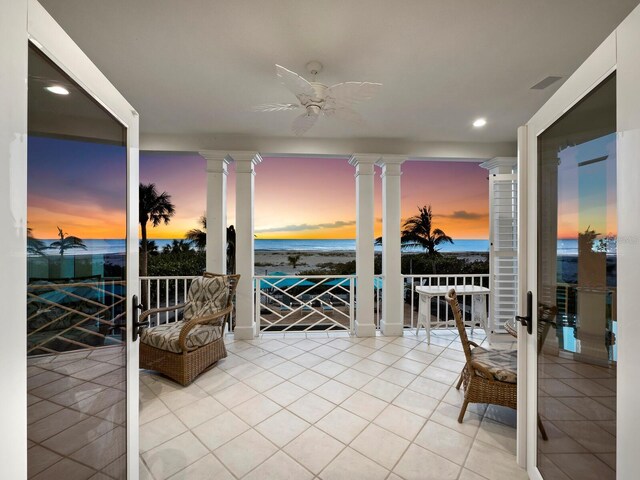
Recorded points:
(231, 249)
(66, 242)
(418, 231)
(34, 246)
(155, 208)
(177, 246)
(152, 248)
(293, 260)
(198, 237)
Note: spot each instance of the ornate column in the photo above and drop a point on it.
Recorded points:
(365, 319)
(216, 215)
(245, 175)
(392, 322)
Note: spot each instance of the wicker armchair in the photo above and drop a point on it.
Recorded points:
(183, 349)
(489, 376)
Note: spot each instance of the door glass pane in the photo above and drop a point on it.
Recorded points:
(577, 321)
(76, 292)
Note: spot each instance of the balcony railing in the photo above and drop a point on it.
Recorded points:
(293, 303)
(304, 303)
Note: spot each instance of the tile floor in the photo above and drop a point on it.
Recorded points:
(328, 407)
(77, 415)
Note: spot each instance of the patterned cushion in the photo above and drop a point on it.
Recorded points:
(206, 296)
(503, 364)
(165, 337)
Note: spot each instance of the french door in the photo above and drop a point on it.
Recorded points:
(82, 264)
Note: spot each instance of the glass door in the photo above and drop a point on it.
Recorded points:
(577, 324)
(78, 340)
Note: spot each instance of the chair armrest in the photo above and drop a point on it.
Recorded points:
(485, 372)
(473, 344)
(153, 311)
(188, 326)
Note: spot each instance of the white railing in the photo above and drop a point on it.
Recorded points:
(304, 303)
(442, 311)
(160, 292)
(377, 288)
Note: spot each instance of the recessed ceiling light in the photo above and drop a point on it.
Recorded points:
(480, 122)
(57, 89)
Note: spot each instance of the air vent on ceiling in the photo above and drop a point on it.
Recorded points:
(541, 85)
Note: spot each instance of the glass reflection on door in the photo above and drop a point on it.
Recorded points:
(76, 292)
(577, 321)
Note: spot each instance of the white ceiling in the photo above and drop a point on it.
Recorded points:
(197, 67)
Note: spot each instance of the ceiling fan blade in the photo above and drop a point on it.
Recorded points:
(303, 122)
(349, 93)
(275, 107)
(345, 113)
(294, 83)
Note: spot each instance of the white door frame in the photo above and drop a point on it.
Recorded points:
(619, 53)
(27, 20)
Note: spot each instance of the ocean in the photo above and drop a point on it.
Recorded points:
(112, 246)
(566, 247)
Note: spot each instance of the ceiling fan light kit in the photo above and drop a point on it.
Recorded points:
(317, 99)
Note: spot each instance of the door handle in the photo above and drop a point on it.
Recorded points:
(137, 326)
(527, 320)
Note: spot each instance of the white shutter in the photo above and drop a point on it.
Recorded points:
(503, 236)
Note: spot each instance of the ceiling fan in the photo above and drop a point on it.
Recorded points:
(317, 99)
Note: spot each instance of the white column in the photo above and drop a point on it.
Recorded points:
(365, 319)
(392, 288)
(217, 162)
(245, 174)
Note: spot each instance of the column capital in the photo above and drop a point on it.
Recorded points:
(391, 165)
(364, 163)
(500, 164)
(246, 157)
(217, 160)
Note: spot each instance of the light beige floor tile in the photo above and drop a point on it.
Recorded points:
(159, 431)
(400, 421)
(285, 393)
(335, 392)
(328, 368)
(440, 375)
(144, 472)
(314, 449)
(48, 390)
(326, 351)
(219, 430)
(354, 378)
(245, 370)
(174, 455)
(342, 424)
(445, 442)
(43, 378)
(397, 376)
(410, 366)
(207, 468)
(447, 415)
(182, 397)
(289, 352)
(280, 466)
(429, 387)
(269, 360)
(282, 427)
(497, 435)
(372, 438)
(41, 410)
(104, 451)
(382, 389)
(420, 356)
(200, 411)
(364, 405)
(360, 350)
(256, 409)
(456, 397)
(244, 453)
(215, 380)
(466, 474)
(234, 395)
(369, 367)
(341, 343)
(351, 465)
(92, 405)
(345, 358)
(383, 357)
(395, 349)
(493, 464)
(152, 409)
(308, 360)
(287, 370)
(447, 364)
(420, 464)
(311, 407)
(309, 380)
(417, 403)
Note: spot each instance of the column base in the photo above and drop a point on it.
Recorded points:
(244, 333)
(391, 329)
(365, 329)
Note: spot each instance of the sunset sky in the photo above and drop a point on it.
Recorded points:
(80, 187)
